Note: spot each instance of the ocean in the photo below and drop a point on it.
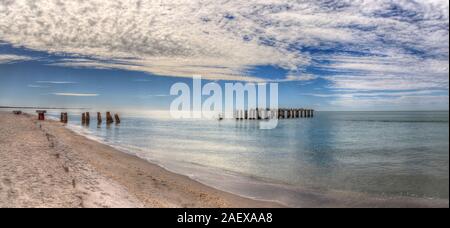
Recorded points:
(381, 154)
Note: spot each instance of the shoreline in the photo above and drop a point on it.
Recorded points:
(59, 168)
(100, 175)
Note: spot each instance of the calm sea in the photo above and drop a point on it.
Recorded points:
(375, 153)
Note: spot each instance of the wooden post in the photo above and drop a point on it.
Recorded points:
(99, 118)
(88, 118)
(41, 114)
(116, 116)
(246, 114)
(83, 118)
(109, 119)
(64, 118)
(312, 113)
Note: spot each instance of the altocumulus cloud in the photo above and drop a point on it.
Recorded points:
(5, 59)
(365, 44)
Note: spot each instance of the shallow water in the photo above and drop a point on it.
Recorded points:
(379, 153)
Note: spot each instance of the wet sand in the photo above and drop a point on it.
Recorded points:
(43, 164)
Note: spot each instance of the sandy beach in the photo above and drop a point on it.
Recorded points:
(43, 164)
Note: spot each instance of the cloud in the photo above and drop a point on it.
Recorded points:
(5, 59)
(367, 45)
(56, 82)
(37, 86)
(76, 94)
(150, 96)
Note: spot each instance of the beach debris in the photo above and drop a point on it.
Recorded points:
(17, 112)
(109, 119)
(41, 114)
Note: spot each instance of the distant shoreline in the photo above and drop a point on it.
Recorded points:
(25, 107)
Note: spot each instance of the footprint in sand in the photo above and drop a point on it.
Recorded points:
(7, 182)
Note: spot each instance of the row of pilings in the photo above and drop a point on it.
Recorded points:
(265, 114)
(86, 118)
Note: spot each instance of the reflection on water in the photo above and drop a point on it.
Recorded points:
(385, 153)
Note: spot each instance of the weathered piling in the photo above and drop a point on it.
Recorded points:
(109, 118)
(41, 114)
(99, 118)
(88, 118)
(267, 114)
(83, 118)
(117, 118)
(64, 118)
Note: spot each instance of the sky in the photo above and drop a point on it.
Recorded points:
(126, 54)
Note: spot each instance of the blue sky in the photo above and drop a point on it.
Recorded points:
(125, 54)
